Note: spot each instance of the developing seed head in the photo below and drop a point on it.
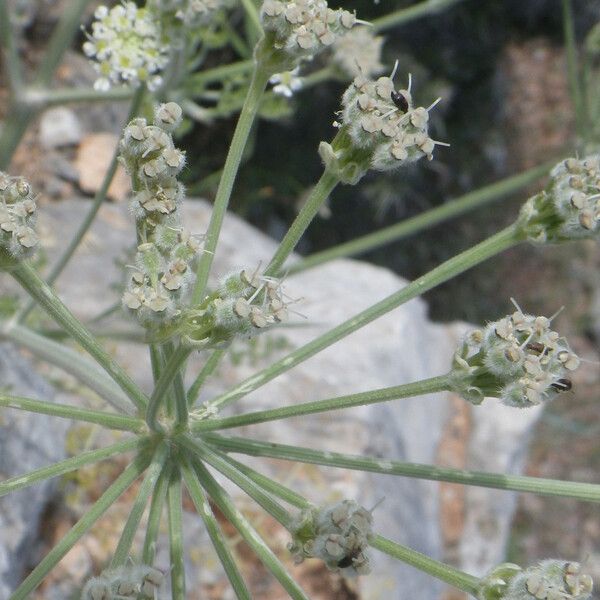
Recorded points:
(127, 46)
(548, 580)
(518, 359)
(569, 208)
(246, 303)
(358, 53)
(17, 217)
(337, 533)
(303, 28)
(135, 581)
(385, 121)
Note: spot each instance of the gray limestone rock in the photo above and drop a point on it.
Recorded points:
(400, 347)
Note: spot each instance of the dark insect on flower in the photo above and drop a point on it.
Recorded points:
(562, 385)
(399, 99)
(536, 347)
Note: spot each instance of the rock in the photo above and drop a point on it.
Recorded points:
(59, 127)
(27, 442)
(400, 347)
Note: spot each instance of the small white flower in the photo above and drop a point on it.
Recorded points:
(286, 83)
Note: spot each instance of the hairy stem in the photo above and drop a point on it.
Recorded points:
(454, 577)
(207, 370)
(409, 227)
(49, 301)
(108, 498)
(230, 170)
(214, 531)
(66, 466)
(319, 194)
(157, 504)
(408, 390)
(586, 492)
(175, 511)
(447, 270)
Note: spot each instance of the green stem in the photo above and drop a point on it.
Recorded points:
(450, 575)
(21, 114)
(66, 466)
(199, 80)
(43, 98)
(254, 17)
(167, 375)
(45, 296)
(405, 15)
(404, 229)
(407, 390)
(319, 194)
(175, 511)
(12, 61)
(573, 68)
(108, 420)
(269, 485)
(212, 527)
(108, 498)
(585, 492)
(259, 81)
(237, 519)
(156, 509)
(205, 373)
(447, 270)
(123, 550)
(99, 199)
(217, 461)
(70, 361)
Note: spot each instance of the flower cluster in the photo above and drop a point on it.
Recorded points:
(569, 208)
(163, 263)
(17, 217)
(358, 53)
(128, 47)
(286, 83)
(244, 304)
(518, 359)
(338, 534)
(384, 119)
(141, 582)
(191, 13)
(303, 28)
(548, 580)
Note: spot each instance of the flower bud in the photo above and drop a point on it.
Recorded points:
(548, 580)
(338, 534)
(136, 581)
(127, 47)
(569, 208)
(518, 359)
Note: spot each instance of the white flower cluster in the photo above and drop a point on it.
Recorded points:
(358, 53)
(17, 217)
(286, 83)
(569, 209)
(384, 120)
(304, 28)
(548, 580)
(244, 304)
(163, 264)
(190, 13)
(518, 359)
(127, 47)
(140, 582)
(337, 534)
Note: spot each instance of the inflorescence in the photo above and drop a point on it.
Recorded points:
(358, 53)
(17, 217)
(141, 582)
(127, 46)
(569, 208)
(163, 263)
(245, 304)
(338, 534)
(518, 359)
(548, 580)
